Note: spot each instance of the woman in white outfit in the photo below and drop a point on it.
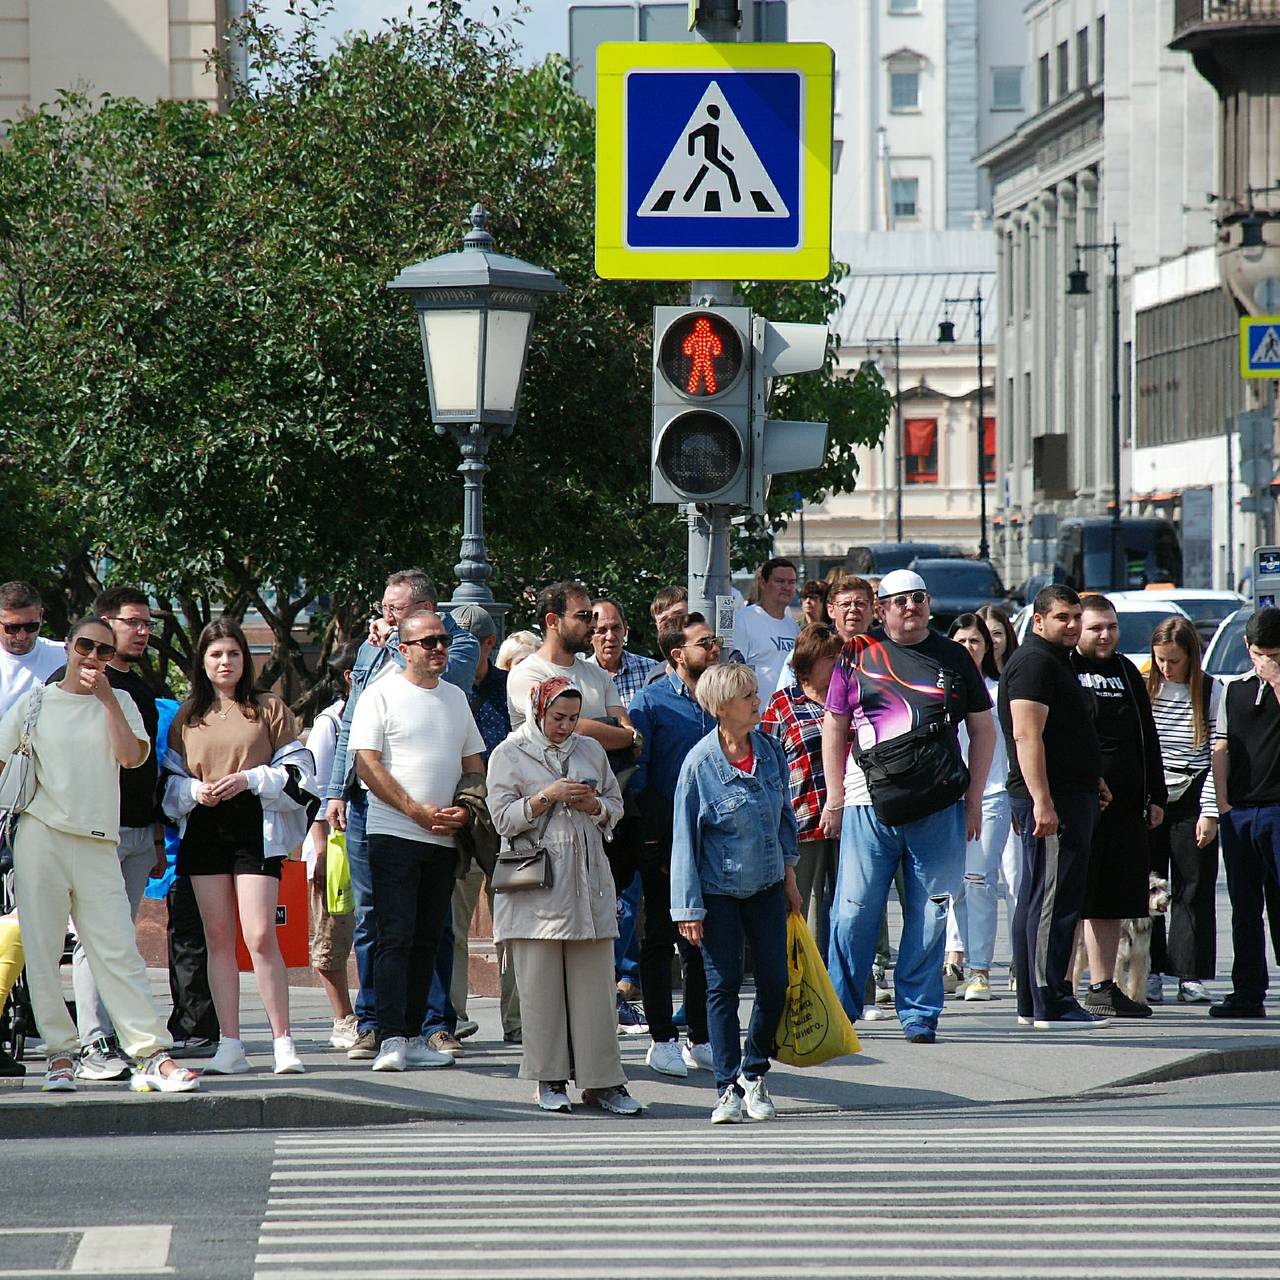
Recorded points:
(65, 861)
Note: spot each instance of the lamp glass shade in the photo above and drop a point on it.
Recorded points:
(451, 341)
(506, 337)
(1251, 231)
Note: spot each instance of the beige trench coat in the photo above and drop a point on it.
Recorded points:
(580, 904)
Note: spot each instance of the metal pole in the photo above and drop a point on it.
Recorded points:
(1231, 502)
(897, 395)
(984, 547)
(1117, 580)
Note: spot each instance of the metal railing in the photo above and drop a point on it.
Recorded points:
(1188, 14)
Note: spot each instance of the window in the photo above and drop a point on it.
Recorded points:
(1006, 88)
(1082, 57)
(988, 448)
(1064, 69)
(904, 90)
(1042, 81)
(920, 463)
(904, 193)
(1100, 43)
(904, 6)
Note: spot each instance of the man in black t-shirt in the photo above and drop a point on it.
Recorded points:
(1119, 863)
(899, 678)
(1055, 779)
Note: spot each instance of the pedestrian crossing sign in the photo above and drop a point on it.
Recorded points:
(1260, 347)
(713, 161)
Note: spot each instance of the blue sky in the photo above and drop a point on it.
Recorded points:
(544, 29)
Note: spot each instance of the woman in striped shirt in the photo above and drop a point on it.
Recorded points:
(1184, 702)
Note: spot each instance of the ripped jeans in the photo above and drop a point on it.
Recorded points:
(931, 853)
(976, 908)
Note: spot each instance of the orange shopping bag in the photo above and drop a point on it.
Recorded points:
(291, 920)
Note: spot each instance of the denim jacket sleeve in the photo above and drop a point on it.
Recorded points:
(367, 661)
(464, 655)
(638, 714)
(686, 847)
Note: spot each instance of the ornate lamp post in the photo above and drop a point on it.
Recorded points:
(947, 333)
(475, 310)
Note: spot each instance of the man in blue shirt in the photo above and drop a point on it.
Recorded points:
(668, 716)
(406, 592)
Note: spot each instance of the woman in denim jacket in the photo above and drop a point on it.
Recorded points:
(733, 877)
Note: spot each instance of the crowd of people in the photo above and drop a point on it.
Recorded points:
(621, 812)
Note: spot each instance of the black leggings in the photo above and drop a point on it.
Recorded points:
(1191, 948)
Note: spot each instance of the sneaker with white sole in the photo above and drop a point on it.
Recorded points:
(345, 1032)
(100, 1060)
(1191, 991)
(419, 1053)
(631, 1019)
(697, 1057)
(665, 1058)
(466, 1028)
(883, 992)
(617, 1101)
(952, 977)
(877, 1013)
(365, 1046)
(287, 1062)
(978, 987)
(1155, 988)
(230, 1060)
(553, 1095)
(756, 1100)
(729, 1109)
(393, 1054)
(60, 1078)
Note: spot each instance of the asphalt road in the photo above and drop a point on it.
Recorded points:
(1174, 1181)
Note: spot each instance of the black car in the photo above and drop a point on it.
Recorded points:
(878, 558)
(959, 586)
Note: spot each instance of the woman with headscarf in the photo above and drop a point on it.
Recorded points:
(552, 789)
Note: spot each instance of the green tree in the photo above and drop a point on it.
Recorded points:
(207, 388)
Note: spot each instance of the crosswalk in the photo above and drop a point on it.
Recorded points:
(1133, 1202)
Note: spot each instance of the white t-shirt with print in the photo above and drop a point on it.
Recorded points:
(422, 735)
(764, 642)
(17, 675)
(598, 690)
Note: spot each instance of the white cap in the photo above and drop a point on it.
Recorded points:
(900, 580)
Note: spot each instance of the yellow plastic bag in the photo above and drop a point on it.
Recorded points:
(814, 1026)
(339, 895)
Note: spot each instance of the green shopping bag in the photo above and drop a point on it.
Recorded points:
(814, 1026)
(339, 895)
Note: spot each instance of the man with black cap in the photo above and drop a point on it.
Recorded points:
(906, 799)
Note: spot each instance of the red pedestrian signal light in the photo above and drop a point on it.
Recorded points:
(701, 355)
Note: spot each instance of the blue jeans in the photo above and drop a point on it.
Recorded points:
(977, 905)
(626, 947)
(441, 1015)
(930, 852)
(1251, 854)
(762, 921)
(366, 934)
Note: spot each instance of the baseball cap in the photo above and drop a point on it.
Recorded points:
(900, 580)
(476, 619)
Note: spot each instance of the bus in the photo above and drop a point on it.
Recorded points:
(1148, 552)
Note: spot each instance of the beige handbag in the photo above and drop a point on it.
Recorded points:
(18, 781)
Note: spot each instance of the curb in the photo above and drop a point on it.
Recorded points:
(1210, 1062)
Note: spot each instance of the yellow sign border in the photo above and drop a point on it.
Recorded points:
(811, 261)
(1253, 322)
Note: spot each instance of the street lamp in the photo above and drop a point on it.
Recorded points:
(475, 310)
(1078, 286)
(947, 333)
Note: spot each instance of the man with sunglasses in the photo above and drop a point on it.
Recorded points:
(26, 657)
(899, 678)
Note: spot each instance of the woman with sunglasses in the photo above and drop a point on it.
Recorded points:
(239, 780)
(65, 860)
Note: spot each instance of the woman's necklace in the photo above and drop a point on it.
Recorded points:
(224, 708)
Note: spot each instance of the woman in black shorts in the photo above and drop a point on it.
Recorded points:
(236, 768)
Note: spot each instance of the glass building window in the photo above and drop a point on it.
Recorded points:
(904, 193)
(1006, 88)
(904, 90)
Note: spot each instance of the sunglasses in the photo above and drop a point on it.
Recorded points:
(17, 628)
(900, 602)
(84, 647)
(428, 642)
(583, 615)
(707, 643)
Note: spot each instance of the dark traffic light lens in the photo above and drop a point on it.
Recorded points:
(701, 354)
(700, 453)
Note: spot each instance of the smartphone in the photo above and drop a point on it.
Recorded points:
(590, 782)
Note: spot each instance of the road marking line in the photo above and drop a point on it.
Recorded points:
(140, 1250)
(842, 1267)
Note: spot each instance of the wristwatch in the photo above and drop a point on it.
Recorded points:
(637, 738)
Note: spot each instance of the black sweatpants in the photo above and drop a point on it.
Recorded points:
(1192, 947)
(193, 1012)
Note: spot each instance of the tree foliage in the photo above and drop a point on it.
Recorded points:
(205, 386)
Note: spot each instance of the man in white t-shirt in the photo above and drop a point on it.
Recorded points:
(764, 633)
(564, 609)
(26, 658)
(414, 737)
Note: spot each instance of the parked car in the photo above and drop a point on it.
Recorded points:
(1206, 608)
(959, 586)
(1138, 617)
(878, 558)
(1226, 655)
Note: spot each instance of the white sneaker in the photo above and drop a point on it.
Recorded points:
(287, 1061)
(418, 1053)
(665, 1058)
(553, 1095)
(697, 1057)
(346, 1032)
(877, 1013)
(757, 1101)
(229, 1060)
(1155, 988)
(392, 1055)
(729, 1109)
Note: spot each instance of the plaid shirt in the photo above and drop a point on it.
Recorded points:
(796, 721)
(631, 674)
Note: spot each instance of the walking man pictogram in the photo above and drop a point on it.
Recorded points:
(712, 151)
(702, 344)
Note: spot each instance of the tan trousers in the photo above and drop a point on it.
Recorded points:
(60, 875)
(466, 893)
(569, 1005)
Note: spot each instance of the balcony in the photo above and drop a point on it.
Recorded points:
(1198, 22)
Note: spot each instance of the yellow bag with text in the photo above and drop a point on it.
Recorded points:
(340, 898)
(814, 1026)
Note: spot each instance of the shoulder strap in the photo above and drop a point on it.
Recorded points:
(33, 714)
(541, 829)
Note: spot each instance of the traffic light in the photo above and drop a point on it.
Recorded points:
(702, 398)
